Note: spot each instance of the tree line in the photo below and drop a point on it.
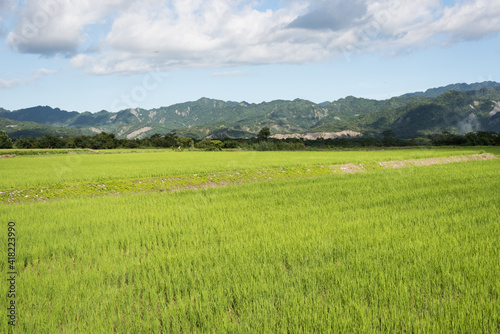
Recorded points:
(262, 142)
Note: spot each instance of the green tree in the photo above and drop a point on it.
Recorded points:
(264, 134)
(388, 137)
(5, 141)
(49, 141)
(184, 142)
(168, 140)
(210, 145)
(104, 140)
(83, 142)
(29, 142)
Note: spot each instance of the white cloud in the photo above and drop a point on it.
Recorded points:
(472, 20)
(193, 34)
(51, 27)
(332, 15)
(156, 35)
(6, 84)
(227, 74)
(82, 60)
(34, 76)
(6, 7)
(42, 72)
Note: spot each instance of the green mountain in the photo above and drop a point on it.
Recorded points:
(20, 129)
(408, 116)
(456, 112)
(461, 87)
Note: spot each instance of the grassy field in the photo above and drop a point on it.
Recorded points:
(43, 170)
(391, 250)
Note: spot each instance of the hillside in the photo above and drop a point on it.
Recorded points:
(461, 87)
(456, 112)
(206, 117)
(408, 116)
(19, 129)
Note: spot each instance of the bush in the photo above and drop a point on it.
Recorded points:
(210, 145)
(5, 141)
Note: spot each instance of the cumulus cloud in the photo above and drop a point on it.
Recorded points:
(50, 27)
(392, 27)
(6, 6)
(192, 33)
(157, 35)
(472, 20)
(333, 15)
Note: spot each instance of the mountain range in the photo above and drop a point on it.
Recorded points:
(457, 108)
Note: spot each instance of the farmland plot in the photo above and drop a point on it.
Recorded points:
(392, 250)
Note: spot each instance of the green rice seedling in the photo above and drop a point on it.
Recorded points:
(52, 170)
(393, 250)
(113, 186)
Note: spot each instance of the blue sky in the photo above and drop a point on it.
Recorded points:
(117, 54)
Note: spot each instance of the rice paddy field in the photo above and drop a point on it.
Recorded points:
(399, 241)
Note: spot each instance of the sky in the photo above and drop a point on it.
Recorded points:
(92, 55)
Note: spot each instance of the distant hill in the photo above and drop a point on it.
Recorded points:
(460, 87)
(42, 115)
(19, 129)
(456, 112)
(409, 115)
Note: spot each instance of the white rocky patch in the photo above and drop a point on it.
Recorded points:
(135, 113)
(496, 109)
(319, 135)
(138, 132)
(96, 130)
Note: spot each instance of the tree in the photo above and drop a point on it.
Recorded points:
(264, 134)
(26, 143)
(167, 140)
(184, 142)
(49, 141)
(83, 142)
(104, 140)
(210, 145)
(5, 141)
(388, 137)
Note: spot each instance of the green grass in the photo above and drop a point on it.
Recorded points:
(52, 151)
(47, 170)
(409, 250)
